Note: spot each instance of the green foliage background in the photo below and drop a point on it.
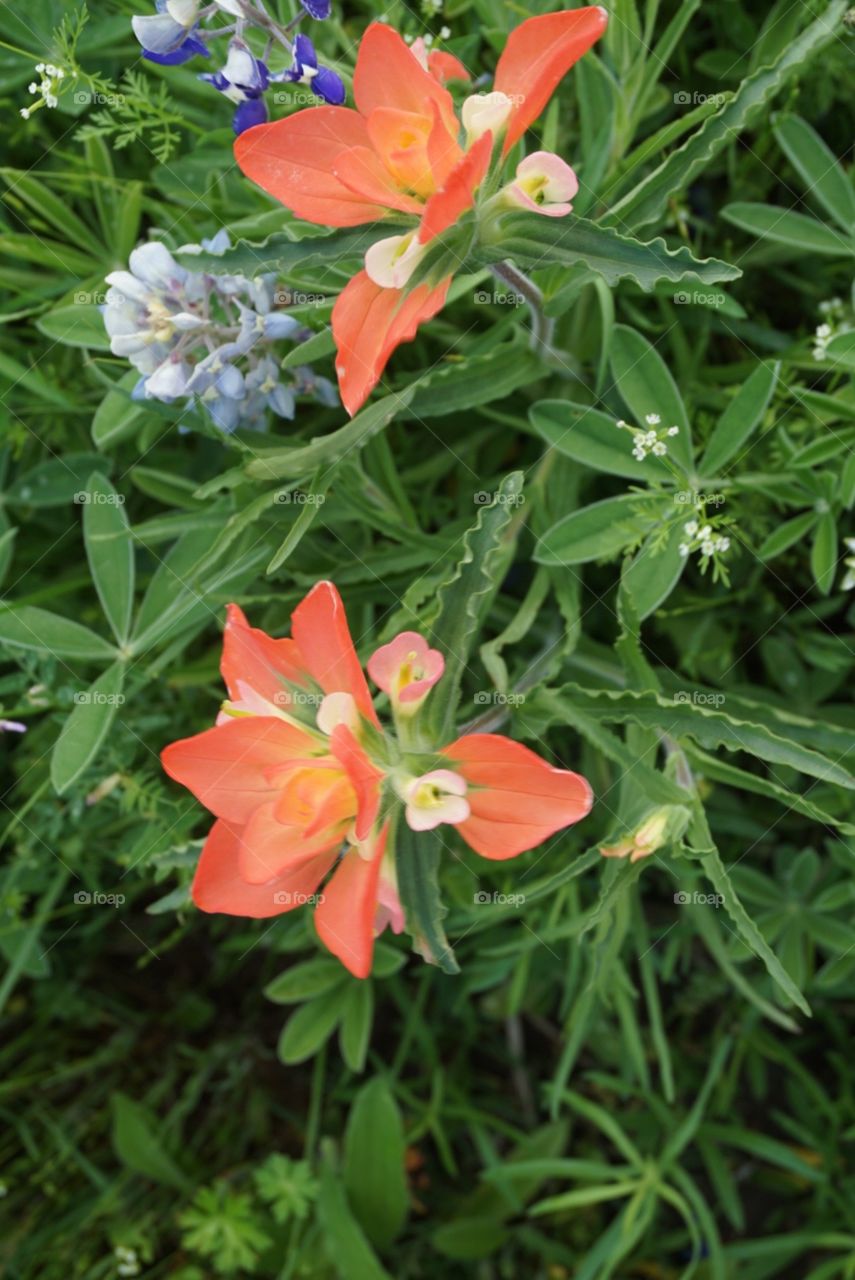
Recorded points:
(644, 1070)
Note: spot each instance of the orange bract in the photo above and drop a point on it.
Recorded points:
(399, 152)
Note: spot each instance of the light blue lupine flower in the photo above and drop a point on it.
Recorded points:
(208, 337)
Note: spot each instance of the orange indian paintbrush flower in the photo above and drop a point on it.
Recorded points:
(403, 153)
(307, 787)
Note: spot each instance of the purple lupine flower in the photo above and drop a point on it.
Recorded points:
(305, 70)
(317, 8)
(243, 81)
(168, 36)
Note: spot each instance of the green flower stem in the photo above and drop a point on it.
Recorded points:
(542, 326)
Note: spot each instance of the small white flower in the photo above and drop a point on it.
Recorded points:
(823, 331)
(704, 533)
(25, 113)
(652, 419)
(691, 528)
(684, 548)
(444, 33)
(722, 544)
(620, 423)
(707, 547)
(659, 448)
(673, 431)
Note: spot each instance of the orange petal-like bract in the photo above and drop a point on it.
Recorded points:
(388, 75)
(345, 918)
(227, 767)
(369, 322)
(219, 888)
(319, 626)
(254, 665)
(516, 799)
(537, 55)
(294, 160)
(445, 67)
(457, 194)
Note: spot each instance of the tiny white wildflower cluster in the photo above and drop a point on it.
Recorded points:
(836, 320)
(703, 538)
(431, 7)
(650, 441)
(129, 1264)
(47, 88)
(849, 577)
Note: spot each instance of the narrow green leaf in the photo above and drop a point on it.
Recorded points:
(478, 380)
(531, 241)
(740, 418)
(138, 1145)
(786, 226)
(591, 437)
(26, 627)
(374, 1153)
(55, 483)
(305, 981)
(86, 728)
(77, 325)
(463, 599)
(823, 553)
(787, 534)
(347, 1249)
(311, 1026)
(646, 386)
(325, 451)
(600, 530)
(118, 416)
(418, 855)
(110, 551)
(354, 1033)
(818, 167)
(654, 571)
